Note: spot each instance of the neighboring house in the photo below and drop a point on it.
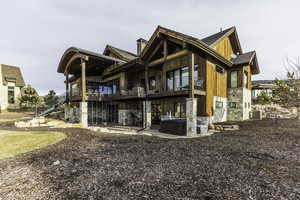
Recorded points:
(260, 86)
(172, 76)
(11, 83)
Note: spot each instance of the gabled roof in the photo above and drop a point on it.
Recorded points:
(69, 53)
(12, 74)
(210, 40)
(217, 37)
(186, 39)
(247, 58)
(122, 54)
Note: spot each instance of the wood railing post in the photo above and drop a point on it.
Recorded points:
(83, 79)
(191, 75)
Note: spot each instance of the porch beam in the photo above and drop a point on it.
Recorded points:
(83, 79)
(169, 57)
(67, 88)
(155, 50)
(191, 75)
(73, 58)
(165, 49)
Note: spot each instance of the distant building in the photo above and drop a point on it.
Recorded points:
(260, 86)
(11, 83)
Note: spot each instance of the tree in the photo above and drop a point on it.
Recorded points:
(29, 97)
(263, 98)
(51, 98)
(287, 92)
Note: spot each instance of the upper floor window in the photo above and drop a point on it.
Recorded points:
(152, 83)
(246, 76)
(233, 79)
(178, 79)
(111, 87)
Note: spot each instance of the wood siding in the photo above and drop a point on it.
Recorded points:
(216, 85)
(224, 48)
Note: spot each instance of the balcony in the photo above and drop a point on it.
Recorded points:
(136, 92)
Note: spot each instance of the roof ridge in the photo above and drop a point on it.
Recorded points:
(108, 45)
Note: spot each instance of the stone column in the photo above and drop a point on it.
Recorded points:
(191, 116)
(147, 114)
(67, 112)
(84, 114)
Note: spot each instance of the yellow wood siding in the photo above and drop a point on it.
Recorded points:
(224, 48)
(216, 85)
(248, 69)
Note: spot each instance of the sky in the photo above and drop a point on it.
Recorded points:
(35, 33)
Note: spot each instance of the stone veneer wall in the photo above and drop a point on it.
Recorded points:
(220, 114)
(242, 98)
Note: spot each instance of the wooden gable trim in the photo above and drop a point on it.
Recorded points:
(199, 44)
(228, 34)
(109, 48)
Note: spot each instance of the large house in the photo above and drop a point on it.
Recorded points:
(11, 83)
(171, 76)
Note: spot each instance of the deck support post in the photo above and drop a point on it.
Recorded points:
(84, 114)
(147, 114)
(83, 104)
(191, 117)
(191, 75)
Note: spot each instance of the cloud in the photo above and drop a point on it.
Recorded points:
(34, 33)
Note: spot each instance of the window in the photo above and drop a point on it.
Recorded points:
(199, 82)
(180, 110)
(220, 69)
(232, 105)
(170, 80)
(246, 79)
(178, 79)
(11, 95)
(245, 104)
(152, 83)
(111, 87)
(219, 104)
(233, 79)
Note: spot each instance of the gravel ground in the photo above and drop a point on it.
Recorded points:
(260, 161)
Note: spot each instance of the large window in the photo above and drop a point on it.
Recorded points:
(111, 87)
(180, 110)
(152, 83)
(178, 79)
(11, 95)
(246, 79)
(233, 79)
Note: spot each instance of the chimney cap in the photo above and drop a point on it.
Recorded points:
(142, 40)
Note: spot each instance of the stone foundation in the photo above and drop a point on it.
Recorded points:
(191, 116)
(239, 104)
(220, 113)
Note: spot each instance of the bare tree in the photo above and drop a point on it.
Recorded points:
(287, 91)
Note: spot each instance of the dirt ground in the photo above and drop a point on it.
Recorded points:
(260, 161)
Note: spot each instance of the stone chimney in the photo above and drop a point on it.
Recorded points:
(141, 43)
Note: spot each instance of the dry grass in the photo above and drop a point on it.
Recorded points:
(13, 143)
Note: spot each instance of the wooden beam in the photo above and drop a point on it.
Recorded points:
(147, 78)
(191, 75)
(67, 88)
(169, 57)
(155, 50)
(83, 79)
(165, 49)
(73, 58)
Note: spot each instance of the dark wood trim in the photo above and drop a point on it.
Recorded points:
(83, 79)
(169, 57)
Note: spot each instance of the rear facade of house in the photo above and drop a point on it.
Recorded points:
(172, 76)
(11, 83)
